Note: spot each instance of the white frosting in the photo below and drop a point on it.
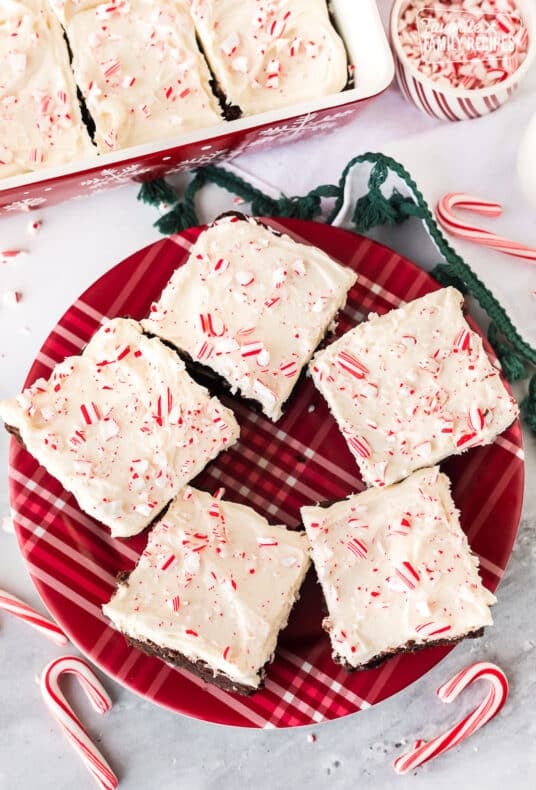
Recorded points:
(216, 583)
(252, 306)
(139, 68)
(271, 53)
(122, 426)
(396, 569)
(412, 387)
(40, 121)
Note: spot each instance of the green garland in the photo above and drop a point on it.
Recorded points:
(373, 209)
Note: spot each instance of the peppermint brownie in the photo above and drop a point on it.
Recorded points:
(122, 426)
(212, 590)
(412, 387)
(252, 305)
(40, 120)
(270, 55)
(396, 571)
(139, 68)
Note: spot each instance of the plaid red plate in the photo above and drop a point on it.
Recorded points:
(276, 469)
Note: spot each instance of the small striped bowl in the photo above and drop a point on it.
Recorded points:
(457, 104)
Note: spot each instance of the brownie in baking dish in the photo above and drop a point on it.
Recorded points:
(40, 121)
(270, 55)
(139, 69)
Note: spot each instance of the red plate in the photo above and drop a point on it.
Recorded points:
(74, 562)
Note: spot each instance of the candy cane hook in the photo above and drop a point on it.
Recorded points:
(488, 708)
(10, 603)
(70, 724)
(448, 220)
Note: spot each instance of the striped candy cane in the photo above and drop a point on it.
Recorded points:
(69, 723)
(10, 603)
(488, 708)
(447, 219)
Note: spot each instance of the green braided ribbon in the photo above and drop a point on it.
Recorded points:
(183, 214)
(370, 210)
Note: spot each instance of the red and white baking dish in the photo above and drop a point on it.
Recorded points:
(368, 50)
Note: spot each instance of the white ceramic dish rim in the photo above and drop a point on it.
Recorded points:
(368, 49)
(528, 11)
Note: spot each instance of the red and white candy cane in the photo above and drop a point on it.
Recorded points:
(460, 200)
(488, 708)
(10, 603)
(69, 722)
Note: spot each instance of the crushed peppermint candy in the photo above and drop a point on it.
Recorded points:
(11, 298)
(240, 65)
(6, 256)
(230, 44)
(489, 41)
(265, 541)
(34, 226)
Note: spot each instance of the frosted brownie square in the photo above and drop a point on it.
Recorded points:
(412, 387)
(270, 55)
(212, 590)
(396, 571)
(40, 120)
(122, 426)
(139, 68)
(252, 305)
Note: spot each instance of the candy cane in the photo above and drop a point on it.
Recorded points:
(449, 222)
(69, 722)
(488, 708)
(10, 603)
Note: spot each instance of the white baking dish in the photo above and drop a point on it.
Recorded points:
(361, 29)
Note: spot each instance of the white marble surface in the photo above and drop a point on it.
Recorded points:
(151, 747)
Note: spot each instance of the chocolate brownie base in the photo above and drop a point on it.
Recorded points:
(16, 433)
(218, 385)
(409, 647)
(350, 82)
(244, 218)
(199, 668)
(231, 112)
(87, 118)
